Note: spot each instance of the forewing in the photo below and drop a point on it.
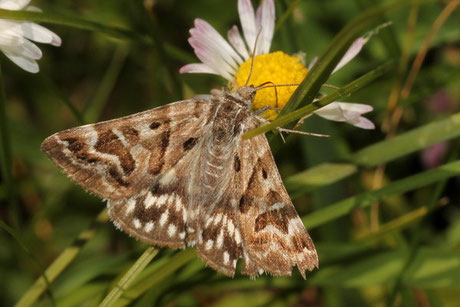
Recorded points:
(159, 214)
(122, 158)
(274, 238)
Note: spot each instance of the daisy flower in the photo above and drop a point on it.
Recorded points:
(16, 37)
(232, 60)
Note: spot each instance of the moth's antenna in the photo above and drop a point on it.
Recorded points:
(253, 56)
(274, 86)
(262, 86)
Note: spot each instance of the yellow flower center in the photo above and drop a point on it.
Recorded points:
(277, 68)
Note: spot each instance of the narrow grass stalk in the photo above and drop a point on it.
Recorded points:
(310, 86)
(74, 22)
(17, 238)
(62, 261)
(448, 10)
(147, 282)
(106, 85)
(53, 88)
(323, 101)
(364, 200)
(129, 277)
(421, 230)
(394, 225)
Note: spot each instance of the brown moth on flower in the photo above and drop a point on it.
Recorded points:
(182, 175)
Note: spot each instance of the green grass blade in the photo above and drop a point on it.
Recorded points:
(363, 200)
(149, 281)
(74, 22)
(62, 261)
(326, 63)
(431, 268)
(129, 276)
(323, 101)
(389, 150)
(106, 85)
(387, 35)
(376, 154)
(315, 177)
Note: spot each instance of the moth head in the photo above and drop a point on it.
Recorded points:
(246, 93)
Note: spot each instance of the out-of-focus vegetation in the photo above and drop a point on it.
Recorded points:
(382, 206)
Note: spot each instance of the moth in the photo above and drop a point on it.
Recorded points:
(182, 175)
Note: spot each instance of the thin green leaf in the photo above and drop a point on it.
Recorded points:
(129, 276)
(62, 261)
(389, 150)
(431, 268)
(155, 277)
(107, 84)
(323, 101)
(74, 22)
(310, 86)
(363, 200)
(315, 177)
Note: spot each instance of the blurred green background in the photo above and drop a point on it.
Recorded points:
(382, 206)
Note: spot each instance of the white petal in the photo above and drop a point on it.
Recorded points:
(347, 112)
(204, 32)
(197, 68)
(362, 122)
(25, 63)
(355, 107)
(211, 58)
(40, 34)
(13, 5)
(342, 111)
(10, 39)
(265, 20)
(248, 22)
(26, 49)
(333, 111)
(354, 49)
(237, 42)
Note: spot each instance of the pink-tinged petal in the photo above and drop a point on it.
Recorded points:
(30, 50)
(27, 64)
(354, 49)
(237, 42)
(347, 112)
(211, 58)
(265, 20)
(197, 68)
(362, 122)
(205, 32)
(248, 22)
(37, 33)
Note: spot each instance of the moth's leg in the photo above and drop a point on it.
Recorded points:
(265, 108)
(281, 130)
